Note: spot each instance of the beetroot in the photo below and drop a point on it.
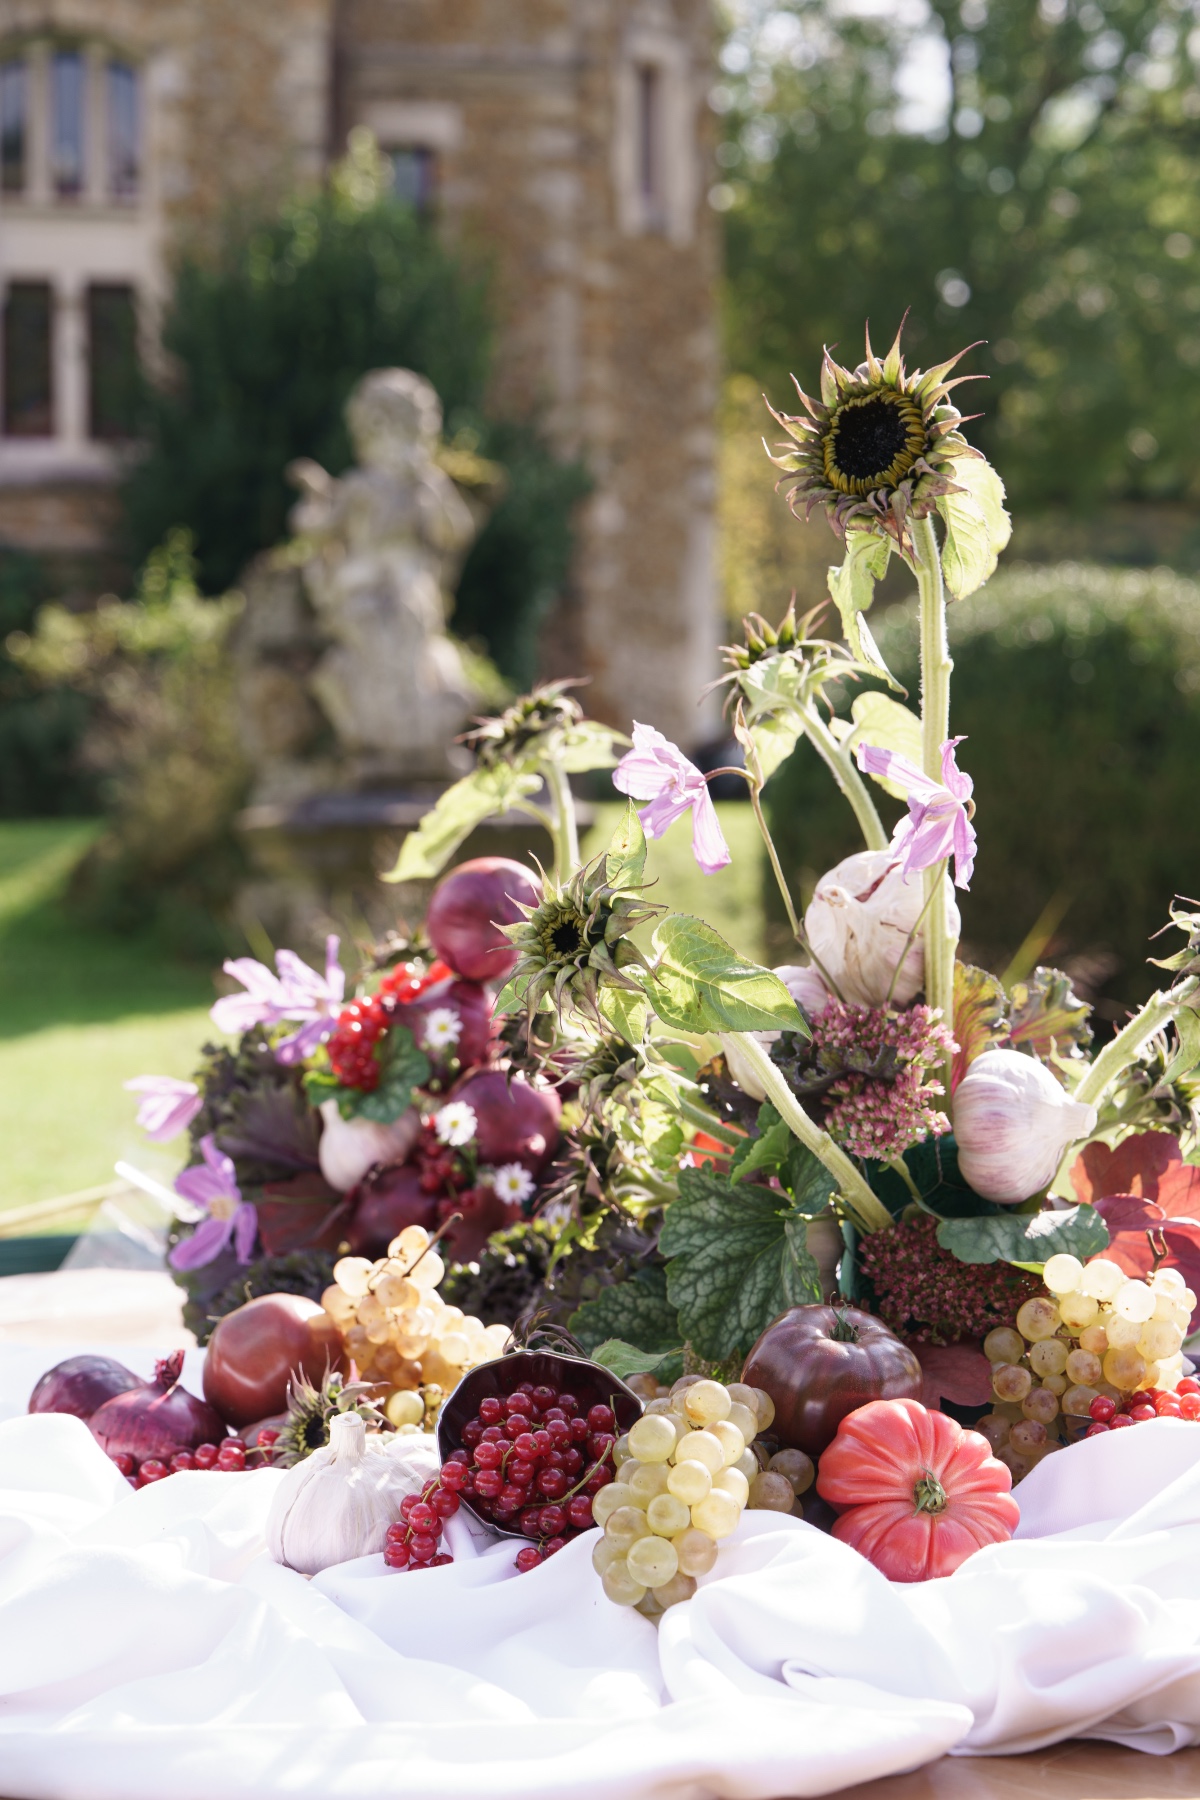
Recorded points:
(515, 1121)
(483, 1211)
(81, 1385)
(467, 909)
(473, 1005)
(254, 1351)
(385, 1201)
(156, 1418)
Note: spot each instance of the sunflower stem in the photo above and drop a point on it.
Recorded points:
(566, 830)
(868, 1212)
(704, 1121)
(940, 941)
(840, 763)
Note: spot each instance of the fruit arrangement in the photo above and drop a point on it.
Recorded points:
(683, 1478)
(402, 1336)
(149, 1429)
(413, 1539)
(1097, 1350)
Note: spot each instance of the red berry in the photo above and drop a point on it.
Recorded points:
(551, 1482)
(441, 1559)
(551, 1520)
(151, 1470)
(528, 1558)
(445, 1503)
(579, 1512)
(579, 1431)
(553, 1546)
(599, 1445)
(488, 1483)
(512, 1497)
(424, 1545)
(1187, 1386)
(205, 1455)
(1095, 1429)
(568, 1403)
(1189, 1406)
(1102, 1408)
(520, 1472)
(183, 1459)
(490, 1410)
(454, 1474)
(422, 1517)
(397, 1555)
(544, 1396)
(123, 1461)
(488, 1456)
(1119, 1419)
(598, 1478)
(472, 1433)
(600, 1418)
(268, 1435)
(529, 1521)
(1140, 1413)
(559, 1432)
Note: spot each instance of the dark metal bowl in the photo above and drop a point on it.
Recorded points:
(590, 1382)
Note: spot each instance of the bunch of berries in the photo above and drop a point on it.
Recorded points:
(412, 1542)
(408, 981)
(533, 1461)
(355, 1038)
(1148, 1403)
(228, 1457)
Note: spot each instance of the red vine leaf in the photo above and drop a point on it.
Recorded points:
(1130, 1219)
(980, 1011)
(1136, 1166)
(955, 1372)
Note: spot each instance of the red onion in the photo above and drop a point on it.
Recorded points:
(515, 1121)
(387, 1200)
(81, 1385)
(468, 907)
(157, 1417)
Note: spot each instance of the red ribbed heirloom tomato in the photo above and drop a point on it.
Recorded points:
(917, 1494)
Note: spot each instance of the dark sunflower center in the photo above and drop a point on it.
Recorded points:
(565, 937)
(316, 1433)
(873, 441)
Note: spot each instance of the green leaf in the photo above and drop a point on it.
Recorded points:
(588, 745)
(625, 1011)
(636, 1311)
(319, 1085)
(853, 589)
(807, 1180)
(766, 1153)
(1185, 1059)
(977, 526)
(737, 1259)
(625, 1361)
(625, 861)
(478, 796)
(1026, 1238)
(699, 983)
(1048, 1016)
(405, 1067)
(980, 1017)
(774, 740)
(883, 721)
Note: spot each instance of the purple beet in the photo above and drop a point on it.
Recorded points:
(81, 1385)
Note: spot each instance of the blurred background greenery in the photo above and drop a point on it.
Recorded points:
(1023, 175)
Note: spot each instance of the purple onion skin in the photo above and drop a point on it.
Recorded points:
(81, 1385)
(156, 1418)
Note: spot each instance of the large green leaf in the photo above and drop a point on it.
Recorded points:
(853, 589)
(625, 1011)
(636, 1311)
(775, 1151)
(977, 526)
(774, 740)
(478, 796)
(882, 721)
(1028, 1238)
(625, 860)
(626, 1360)
(405, 1067)
(699, 983)
(736, 1260)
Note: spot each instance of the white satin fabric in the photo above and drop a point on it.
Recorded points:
(148, 1646)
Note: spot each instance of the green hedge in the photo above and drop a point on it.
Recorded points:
(1079, 690)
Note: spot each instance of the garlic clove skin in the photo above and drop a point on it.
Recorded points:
(859, 921)
(349, 1147)
(1012, 1123)
(807, 990)
(338, 1503)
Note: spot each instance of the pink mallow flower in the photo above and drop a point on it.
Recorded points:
(212, 1186)
(657, 770)
(939, 813)
(295, 993)
(168, 1106)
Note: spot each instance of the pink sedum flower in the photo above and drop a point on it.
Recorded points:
(295, 993)
(657, 770)
(212, 1186)
(939, 817)
(167, 1106)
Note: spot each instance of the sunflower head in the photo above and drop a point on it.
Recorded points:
(878, 447)
(512, 734)
(310, 1410)
(577, 940)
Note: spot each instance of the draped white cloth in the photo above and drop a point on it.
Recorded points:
(148, 1645)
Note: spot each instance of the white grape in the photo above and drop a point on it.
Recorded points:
(1062, 1274)
(1103, 1280)
(1134, 1301)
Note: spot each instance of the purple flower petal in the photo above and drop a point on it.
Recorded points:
(302, 1043)
(245, 1230)
(213, 1179)
(656, 770)
(169, 1106)
(937, 826)
(708, 840)
(204, 1246)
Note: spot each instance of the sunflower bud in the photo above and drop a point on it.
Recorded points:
(808, 991)
(862, 920)
(1012, 1123)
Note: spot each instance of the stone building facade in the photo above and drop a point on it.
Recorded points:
(568, 139)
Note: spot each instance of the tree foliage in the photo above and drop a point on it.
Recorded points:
(1054, 211)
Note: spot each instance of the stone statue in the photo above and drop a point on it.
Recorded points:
(385, 543)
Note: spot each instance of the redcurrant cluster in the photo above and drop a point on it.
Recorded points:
(442, 1167)
(533, 1460)
(227, 1457)
(1181, 1402)
(408, 981)
(353, 1044)
(412, 1542)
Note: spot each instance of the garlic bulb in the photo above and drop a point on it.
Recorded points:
(858, 922)
(807, 990)
(339, 1502)
(349, 1147)
(1012, 1123)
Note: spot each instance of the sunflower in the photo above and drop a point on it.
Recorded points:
(878, 447)
(520, 730)
(577, 940)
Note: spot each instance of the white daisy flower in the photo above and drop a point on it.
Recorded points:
(443, 1028)
(455, 1123)
(512, 1181)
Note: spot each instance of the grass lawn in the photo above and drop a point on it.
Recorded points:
(83, 1011)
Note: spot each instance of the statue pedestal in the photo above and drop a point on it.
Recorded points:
(314, 864)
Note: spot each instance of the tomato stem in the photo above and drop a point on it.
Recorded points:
(929, 1496)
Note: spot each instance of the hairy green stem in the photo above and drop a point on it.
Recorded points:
(868, 1212)
(566, 833)
(1117, 1055)
(936, 666)
(773, 858)
(841, 765)
(696, 1115)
